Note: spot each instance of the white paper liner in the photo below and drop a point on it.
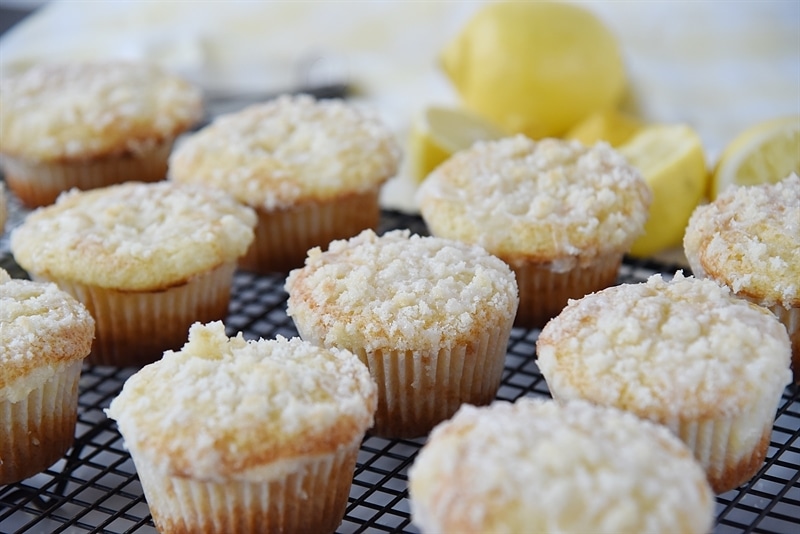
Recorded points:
(313, 498)
(544, 292)
(791, 320)
(36, 431)
(39, 183)
(284, 236)
(134, 328)
(419, 389)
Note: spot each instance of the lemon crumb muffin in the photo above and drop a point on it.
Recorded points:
(312, 170)
(229, 435)
(537, 466)
(430, 317)
(685, 353)
(147, 260)
(88, 125)
(749, 240)
(44, 336)
(561, 214)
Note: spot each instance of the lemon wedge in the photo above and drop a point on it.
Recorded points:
(536, 68)
(438, 132)
(766, 152)
(672, 161)
(611, 125)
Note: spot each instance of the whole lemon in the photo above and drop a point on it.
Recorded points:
(536, 68)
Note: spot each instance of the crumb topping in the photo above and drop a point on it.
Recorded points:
(134, 236)
(41, 327)
(749, 239)
(538, 466)
(399, 292)
(685, 347)
(222, 407)
(546, 200)
(79, 111)
(290, 149)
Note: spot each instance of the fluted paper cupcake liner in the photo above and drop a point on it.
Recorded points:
(284, 236)
(134, 328)
(39, 183)
(38, 430)
(419, 389)
(312, 498)
(791, 320)
(544, 292)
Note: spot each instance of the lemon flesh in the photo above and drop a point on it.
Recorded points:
(536, 68)
(438, 132)
(766, 152)
(612, 126)
(672, 161)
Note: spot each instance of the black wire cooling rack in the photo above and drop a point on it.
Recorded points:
(94, 488)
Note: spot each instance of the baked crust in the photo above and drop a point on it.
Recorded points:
(226, 408)
(82, 111)
(289, 150)
(41, 330)
(553, 202)
(134, 236)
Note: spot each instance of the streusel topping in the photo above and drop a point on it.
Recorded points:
(685, 347)
(749, 239)
(134, 236)
(400, 291)
(41, 327)
(80, 111)
(290, 149)
(548, 200)
(538, 466)
(223, 407)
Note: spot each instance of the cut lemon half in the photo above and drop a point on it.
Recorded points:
(672, 161)
(611, 125)
(766, 152)
(438, 132)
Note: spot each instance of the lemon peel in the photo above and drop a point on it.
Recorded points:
(672, 160)
(438, 132)
(536, 68)
(766, 152)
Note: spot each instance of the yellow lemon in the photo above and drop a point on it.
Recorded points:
(612, 126)
(672, 161)
(536, 68)
(438, 132)
(766, 152)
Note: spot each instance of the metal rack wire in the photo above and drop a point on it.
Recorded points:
(94, 488)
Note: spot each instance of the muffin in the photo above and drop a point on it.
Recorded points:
(229, 435)
(538, 466)
(561, 214)
(44, 336)
(311, 169)
(88, 125)
(749, 240)
(147, 260)
(430, 317)
(685, 353)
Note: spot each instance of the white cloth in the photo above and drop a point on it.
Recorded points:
(719, 66)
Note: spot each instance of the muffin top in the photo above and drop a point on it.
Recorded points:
(41, 328)
(399, 292)
(684, 347)
(73, 112)
(539, 466)
(289, 150)
(224, 408)
(749, 239)
(549, 201)
(133, 236)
